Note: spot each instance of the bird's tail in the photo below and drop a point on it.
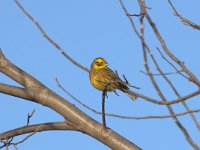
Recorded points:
(130, 94)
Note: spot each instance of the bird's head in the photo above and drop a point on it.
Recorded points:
(99, 63)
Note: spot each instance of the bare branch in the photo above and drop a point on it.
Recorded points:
(171, 64)
(27, 94)
(33, 129)
(6, 143)
(37, 92)
(192, 77)
(104, 93)
(15, 73)
(164, 76)
(29, 116)
(154, 83)
(49, 39)
(24, 139)
(182, 66)
(184, 20)
(176, 92)
(121, 116)
(128, 84)
(153, 116)
(158, 74)
(184, 98)
(37, 128)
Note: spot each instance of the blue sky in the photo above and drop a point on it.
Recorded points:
(86, 30)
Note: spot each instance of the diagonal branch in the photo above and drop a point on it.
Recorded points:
(171, 64)
(166, 78)
(184, 20)
(39, 93)
(120, 116)
(155, 84)
(175, 90)
(40, 28)
(192, 77)
(37, 128)
(145, 44)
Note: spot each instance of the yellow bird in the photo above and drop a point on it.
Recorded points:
(103, 78)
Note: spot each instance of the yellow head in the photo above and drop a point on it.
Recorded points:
(99, 63)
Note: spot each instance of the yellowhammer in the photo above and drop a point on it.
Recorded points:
(103, 78)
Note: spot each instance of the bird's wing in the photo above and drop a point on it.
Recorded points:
(113, 78)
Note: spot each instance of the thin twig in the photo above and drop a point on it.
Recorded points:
(67, 126)
(23, 140)
(176, 92)
(177, 122)
(154, 116)
(184, 20)
(103, 108)
(135, 15)
(48, 38)
(29, 116)
(171, 64)
(15, 146)
(158, 74)
(128, 84)
(7, 143)
(121, 116)
(192, 77)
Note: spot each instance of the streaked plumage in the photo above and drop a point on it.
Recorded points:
(103, 78)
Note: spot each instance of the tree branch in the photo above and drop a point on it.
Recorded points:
(37, 128)
(49, 39)
(120, 116)
(39, 93)
(155, 84)
(184, 20)
(192, 77)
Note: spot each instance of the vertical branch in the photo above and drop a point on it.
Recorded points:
(7, 144)
(174, 89)
(29, 116)
(157, 88)
(192, 77)
(144, 45)
(103, 109)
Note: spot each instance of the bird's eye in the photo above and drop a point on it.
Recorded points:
(98, 63)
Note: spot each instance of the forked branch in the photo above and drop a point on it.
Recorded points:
(35, 91)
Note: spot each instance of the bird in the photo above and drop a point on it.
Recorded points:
(104, 79)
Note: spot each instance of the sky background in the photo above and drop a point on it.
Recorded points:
(86, 30)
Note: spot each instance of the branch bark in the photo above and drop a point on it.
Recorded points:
(37, 128)
(37, 92)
